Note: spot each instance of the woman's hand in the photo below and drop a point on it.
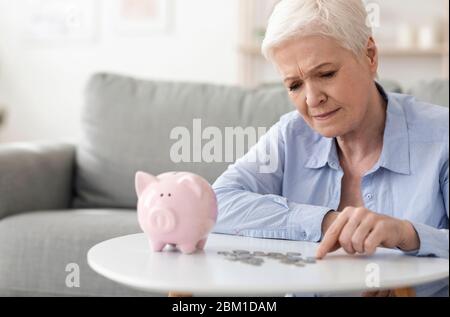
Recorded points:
(359, 230)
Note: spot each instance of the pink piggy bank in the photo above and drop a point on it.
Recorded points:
(176, 208)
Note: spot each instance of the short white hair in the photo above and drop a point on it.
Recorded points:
(342, 20)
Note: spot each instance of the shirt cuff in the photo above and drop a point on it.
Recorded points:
(433, 242)
(305, 221)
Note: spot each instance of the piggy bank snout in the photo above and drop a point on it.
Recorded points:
(161, 220)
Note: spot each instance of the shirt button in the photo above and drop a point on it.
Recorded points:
(369, 196)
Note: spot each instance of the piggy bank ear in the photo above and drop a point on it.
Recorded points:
(142, 180)
(190, 182)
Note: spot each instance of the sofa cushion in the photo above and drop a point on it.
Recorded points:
(391, 85)
(127, 124)
(46, 242)
(432, 91)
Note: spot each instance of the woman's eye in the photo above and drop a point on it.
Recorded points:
(294, 87)
(328, 75)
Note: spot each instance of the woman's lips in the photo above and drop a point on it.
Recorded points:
(327, 115)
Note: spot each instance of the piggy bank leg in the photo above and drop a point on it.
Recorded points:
(187, 248)
(201, 244)
(156, 246)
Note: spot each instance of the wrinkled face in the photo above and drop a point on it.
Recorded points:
(327, 83)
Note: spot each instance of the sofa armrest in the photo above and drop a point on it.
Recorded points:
(35, 176)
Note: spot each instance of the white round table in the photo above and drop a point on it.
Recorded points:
(128, 260)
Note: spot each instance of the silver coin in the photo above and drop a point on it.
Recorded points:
(293, 254)
(299, 264)
(241, 252)
(275, 255)
(287, 261)
(295, 258)
(259, 253)
(254, 264)
(244, 256)
(310, 260)
(253, 261)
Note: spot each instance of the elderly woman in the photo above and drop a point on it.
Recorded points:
(357, 167)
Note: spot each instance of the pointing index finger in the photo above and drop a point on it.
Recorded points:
(331, 236)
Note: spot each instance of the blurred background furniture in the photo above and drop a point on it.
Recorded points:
(41, 81)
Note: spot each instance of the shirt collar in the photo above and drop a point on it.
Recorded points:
(394, 155)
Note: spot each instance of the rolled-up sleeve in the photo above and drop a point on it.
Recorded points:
(250, 201)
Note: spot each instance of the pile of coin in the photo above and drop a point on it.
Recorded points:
(256, 258)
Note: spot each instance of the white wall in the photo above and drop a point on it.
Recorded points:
(42, 86)
(415, 13)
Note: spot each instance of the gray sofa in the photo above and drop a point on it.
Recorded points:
(57, 200)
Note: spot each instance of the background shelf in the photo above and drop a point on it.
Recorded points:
(396, 63)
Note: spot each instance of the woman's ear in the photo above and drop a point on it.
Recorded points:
(372, 56)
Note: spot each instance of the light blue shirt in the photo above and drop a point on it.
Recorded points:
(409, 181)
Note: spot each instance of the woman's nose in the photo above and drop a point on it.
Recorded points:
(314, 96)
